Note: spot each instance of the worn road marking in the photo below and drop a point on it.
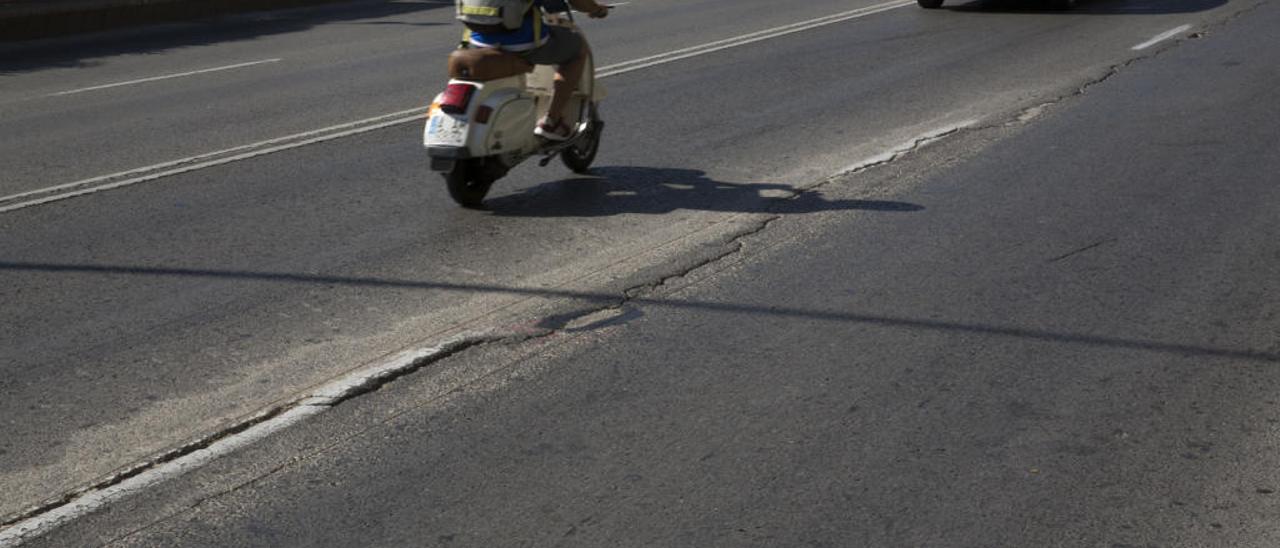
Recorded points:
(33, 527)
(907, 146)
(310, 403)
(1162, 37)
(150, 173)
(165, 77)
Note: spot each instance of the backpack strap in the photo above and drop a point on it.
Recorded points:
(537, 27)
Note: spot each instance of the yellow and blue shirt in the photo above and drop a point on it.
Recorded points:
(528, 37)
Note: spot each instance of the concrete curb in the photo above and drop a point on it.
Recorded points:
(33, 19)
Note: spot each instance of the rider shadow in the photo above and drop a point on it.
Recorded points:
(618, 190)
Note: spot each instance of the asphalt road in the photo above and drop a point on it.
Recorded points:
(143, 317)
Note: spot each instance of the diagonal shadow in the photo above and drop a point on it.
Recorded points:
(614, 299)
(649, 190)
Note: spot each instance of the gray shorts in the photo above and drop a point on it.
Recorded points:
(562, 47)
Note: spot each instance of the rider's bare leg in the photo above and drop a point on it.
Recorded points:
(568, 76)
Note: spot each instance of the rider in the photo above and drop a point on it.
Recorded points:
(548, 45)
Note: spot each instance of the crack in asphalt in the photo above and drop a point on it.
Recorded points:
(1084, 249)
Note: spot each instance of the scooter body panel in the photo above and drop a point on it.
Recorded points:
(514, 111)
(511, 127)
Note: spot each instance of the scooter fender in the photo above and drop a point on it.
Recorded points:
(510, 127)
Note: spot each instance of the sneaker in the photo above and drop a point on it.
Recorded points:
(553, 131)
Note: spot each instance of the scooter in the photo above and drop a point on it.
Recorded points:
(482, 125)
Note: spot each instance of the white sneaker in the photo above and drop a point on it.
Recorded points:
(557, 131)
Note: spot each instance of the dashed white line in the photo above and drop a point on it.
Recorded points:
(165, 77)
(1162, 37)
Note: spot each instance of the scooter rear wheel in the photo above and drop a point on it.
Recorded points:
(467, 184)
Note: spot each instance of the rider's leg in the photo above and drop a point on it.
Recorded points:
(568, 76)
(569, 53)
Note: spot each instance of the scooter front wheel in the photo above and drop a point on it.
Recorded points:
(578, 158)
(467, 184)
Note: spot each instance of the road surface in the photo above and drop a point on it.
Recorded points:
(1056, 277)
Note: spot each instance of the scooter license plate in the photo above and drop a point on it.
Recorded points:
(446, 130)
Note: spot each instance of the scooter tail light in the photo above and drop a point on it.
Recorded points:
(456, 98)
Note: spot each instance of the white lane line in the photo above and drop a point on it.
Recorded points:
(1162, 37)
(211, 163)
(30, 528)
(313, 402)
(184, 165)
(79, 188)
(664, 58)
(165, 77)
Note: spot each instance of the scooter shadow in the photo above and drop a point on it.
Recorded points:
(617, 190)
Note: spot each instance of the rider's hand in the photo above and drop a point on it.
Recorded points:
(600, 12)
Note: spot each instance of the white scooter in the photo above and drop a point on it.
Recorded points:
(482, 125)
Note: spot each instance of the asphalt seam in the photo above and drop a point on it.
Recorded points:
(14, 531)
(635, 293)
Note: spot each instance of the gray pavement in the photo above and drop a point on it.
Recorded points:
(1070, 342)
(25, 20)
(143, 317)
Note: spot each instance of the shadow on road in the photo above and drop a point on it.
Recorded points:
(614, 299)
(81, 51)
(617, 190)
(1089, 7)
